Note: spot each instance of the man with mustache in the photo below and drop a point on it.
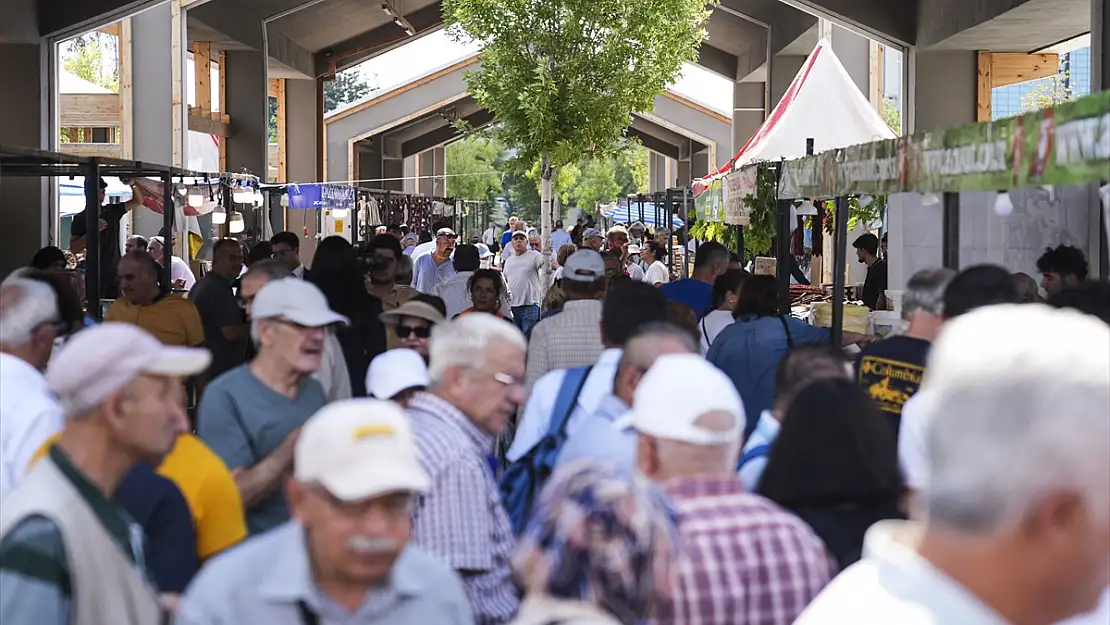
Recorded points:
(346, 557)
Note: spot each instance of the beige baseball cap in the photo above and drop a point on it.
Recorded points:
(100, 360)
(358, 449)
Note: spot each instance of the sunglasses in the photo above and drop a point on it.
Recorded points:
(422, 332)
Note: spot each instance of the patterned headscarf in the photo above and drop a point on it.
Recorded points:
(599, 536)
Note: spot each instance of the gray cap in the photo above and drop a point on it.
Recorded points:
(585, 265)
(591, 233)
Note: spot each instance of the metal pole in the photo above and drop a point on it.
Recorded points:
(92, 239)
(950, 220)
(840, 265)
(740, 245)
(229, 205)
(782, 255)
(686, 228)
(167, 228)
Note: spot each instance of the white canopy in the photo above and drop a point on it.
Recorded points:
(822, 103)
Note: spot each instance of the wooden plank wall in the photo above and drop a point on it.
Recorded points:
(1001, 69)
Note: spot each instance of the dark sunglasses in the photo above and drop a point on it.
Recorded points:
(422, 332)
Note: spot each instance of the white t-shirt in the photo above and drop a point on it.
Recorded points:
(522, 272)
(657, 273)
(635, 272)
(179, 270)
(29, 416)
(911, 442)
(711, 325)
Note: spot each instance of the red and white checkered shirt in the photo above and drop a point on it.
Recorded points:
(745, 560)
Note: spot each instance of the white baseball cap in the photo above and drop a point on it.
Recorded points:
(100, 360)
(394, 371)
(358, 449)
(678, 390)
(296, 300)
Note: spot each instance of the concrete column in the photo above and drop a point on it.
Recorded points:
(22, 200)
(1100, 45)
(699, 164)
(684, 165)
(432, 167)
(301, 116)
(854, 53)
(747, 111)
(392, 168)
(409, 171)
(248, 106)
(945, 92)
(783, 70)
(151, 100)
(657, 172)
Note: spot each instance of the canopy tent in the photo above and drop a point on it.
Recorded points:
(823, 104)
(631, 212)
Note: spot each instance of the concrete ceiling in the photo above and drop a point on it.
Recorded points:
(1031, 26)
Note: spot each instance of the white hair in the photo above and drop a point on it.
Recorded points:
(464, 341)
(1016, 400)
(33, 304)
(925, 292)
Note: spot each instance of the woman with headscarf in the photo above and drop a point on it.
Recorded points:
(597, 551)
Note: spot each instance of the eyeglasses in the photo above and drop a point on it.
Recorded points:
(421, 332)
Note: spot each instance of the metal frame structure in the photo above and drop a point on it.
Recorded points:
(30, 162)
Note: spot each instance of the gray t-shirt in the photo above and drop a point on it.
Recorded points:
(522, 271)
(215, 301)
(243, 421)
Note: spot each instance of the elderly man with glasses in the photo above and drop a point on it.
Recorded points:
(251, 415)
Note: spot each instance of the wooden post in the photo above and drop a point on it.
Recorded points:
(202, 74)
(985, 82)
(876, 76)
(222, 91)
(127, 131)
(177, 72)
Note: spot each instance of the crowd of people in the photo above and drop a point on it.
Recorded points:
(496, 439)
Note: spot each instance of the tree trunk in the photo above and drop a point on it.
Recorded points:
(547, 172)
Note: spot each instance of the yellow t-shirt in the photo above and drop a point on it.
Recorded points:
(173, 320)
(208, 487)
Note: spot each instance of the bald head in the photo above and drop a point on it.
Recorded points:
(1027, 289)
(642, 350)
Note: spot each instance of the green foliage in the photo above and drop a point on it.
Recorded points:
(273, 120)
(349, 85)
(1050, 92)
(522, 195)
(85, 59)
(597, 184)
(472, 168)
(892, 116)
(717, 231)
(856, 214)
(565, 76)
(563, 179)
(631, 165)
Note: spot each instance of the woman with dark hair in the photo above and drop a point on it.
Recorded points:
(336, 272)
(49, 258)
(657, 273)
(726, 290)
(749, 351)
(835, 465)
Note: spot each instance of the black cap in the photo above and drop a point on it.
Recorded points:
(103, 183)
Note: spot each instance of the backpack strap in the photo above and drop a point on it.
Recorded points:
(786, 328)
(565, 401)
(759, 451)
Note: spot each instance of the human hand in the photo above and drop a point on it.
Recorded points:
(103, 225)
(179, 283)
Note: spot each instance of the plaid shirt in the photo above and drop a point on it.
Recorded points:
(569, 339)
(461, 519)
(746, 561)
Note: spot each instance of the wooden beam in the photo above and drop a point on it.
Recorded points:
(202, 74)
(177, 76)
(209, 122)
(1008, 68)
(89, 109)
(110, 29)
(126, 90)
(279, 95)
(875, 75)
(983, 112)
(222, 92)
(106, 150)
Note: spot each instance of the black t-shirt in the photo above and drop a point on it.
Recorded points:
(109, 245)
(218, 307)
(890, 371)
(875, 284)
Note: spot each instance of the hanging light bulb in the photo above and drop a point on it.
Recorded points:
(196, 197)
(219, 217)
(181, 189)
(930, 199)
(241, 194)
(339, 213)
(865, 200)
(259, 199)
(1003, 205)
(236, 224)
(806, 209)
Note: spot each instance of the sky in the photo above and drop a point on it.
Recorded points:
(437, 50)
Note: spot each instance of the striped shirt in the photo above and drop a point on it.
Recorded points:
(564, 341)
(36, 583)
(747, 561)
(461, 520)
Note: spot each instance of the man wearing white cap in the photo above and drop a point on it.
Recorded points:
(347, 556)
(68, 555)
(250, 416)
(690, 421)
(396, 375)
(522, 271)
(1013, 513)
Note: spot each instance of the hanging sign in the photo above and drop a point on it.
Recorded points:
(1066, 144)
(738, 185)
(318, 196)
(709, 205)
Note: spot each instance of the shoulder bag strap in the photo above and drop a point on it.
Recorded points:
(786, 328)
(755, 452)
(308, 616)
(569, 391)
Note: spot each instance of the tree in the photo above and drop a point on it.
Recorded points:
(892, 116)
(565, 76)
(85, 59)
(632, 169)
(349, 85)
(597, 184)
(1050, 92)
(472, 172)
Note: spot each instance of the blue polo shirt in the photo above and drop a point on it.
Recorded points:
(156, 504)
(696, 294)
